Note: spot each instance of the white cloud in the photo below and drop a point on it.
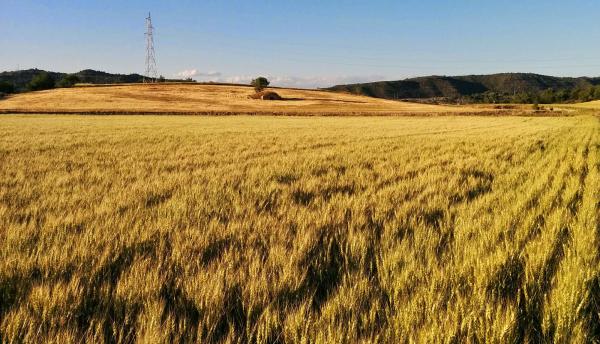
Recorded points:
(278, 80)
(237, 79)
(320, 81)
(194, 73)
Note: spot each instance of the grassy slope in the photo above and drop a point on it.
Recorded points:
(158, 229)
(186, 98)
(593, 105)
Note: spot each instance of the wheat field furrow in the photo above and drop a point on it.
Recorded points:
(444, 279)
(573, 280)
(497, 283)
(499, 230)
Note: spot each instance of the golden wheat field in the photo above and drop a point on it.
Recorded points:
(154, 229)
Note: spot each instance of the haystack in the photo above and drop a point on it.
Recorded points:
(266, 95)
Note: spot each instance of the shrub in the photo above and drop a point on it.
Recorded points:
(260, 83)
(42, 81)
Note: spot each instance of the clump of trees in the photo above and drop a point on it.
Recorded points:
(42, 81)
(69, 81)
(6, 87)
(45, 81)
(260, 83)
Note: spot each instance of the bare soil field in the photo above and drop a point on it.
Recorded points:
(214, 99)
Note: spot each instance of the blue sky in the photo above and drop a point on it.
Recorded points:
(305, 43)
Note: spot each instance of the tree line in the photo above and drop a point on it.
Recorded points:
(42, 81)
(547, 96)
(45, 81)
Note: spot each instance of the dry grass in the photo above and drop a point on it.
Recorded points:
(209, 99)
(299, 230)
(591, 105)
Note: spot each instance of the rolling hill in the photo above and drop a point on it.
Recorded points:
(462, 86)
(194, 98)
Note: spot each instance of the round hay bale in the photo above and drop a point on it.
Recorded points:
(266, 95)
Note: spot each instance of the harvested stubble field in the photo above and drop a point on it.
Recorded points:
(299, 230)
(593, 105)
(211, 99)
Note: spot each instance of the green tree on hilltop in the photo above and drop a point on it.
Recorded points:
(260, 83)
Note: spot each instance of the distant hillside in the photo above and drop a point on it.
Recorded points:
(20, 78)
(503, 87)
